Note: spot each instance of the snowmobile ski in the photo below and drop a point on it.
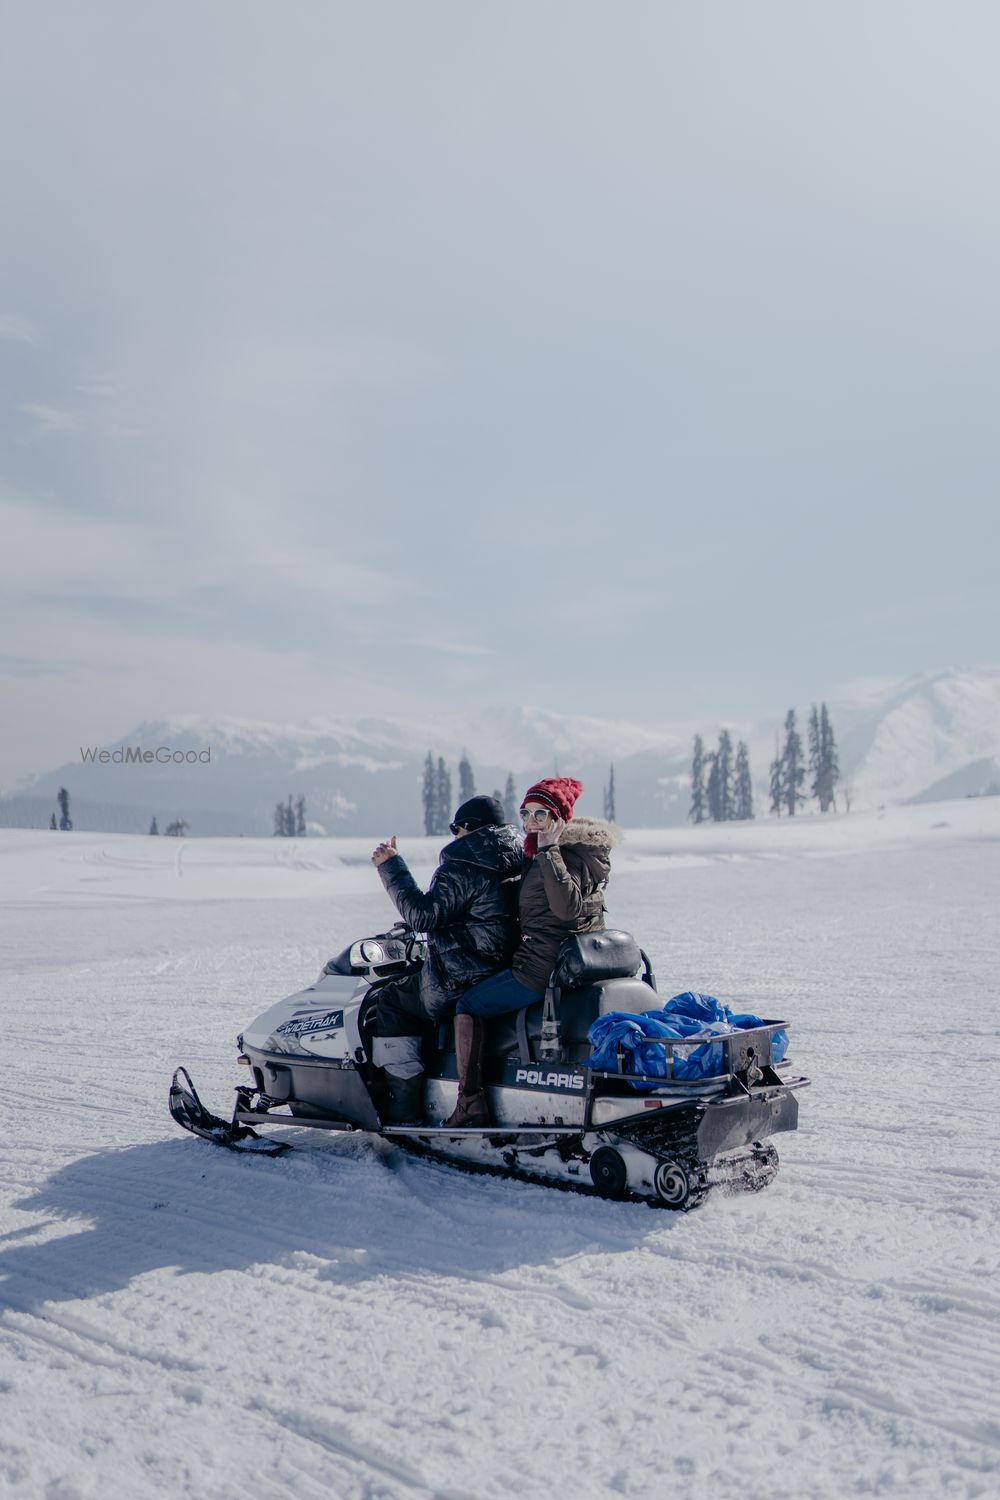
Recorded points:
(187, 1109)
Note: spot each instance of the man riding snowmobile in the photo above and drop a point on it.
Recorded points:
(469, 913)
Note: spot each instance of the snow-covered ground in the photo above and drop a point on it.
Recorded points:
(349, 1322)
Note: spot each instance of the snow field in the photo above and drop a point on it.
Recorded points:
(348, 1321)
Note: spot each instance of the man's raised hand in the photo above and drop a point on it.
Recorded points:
(386, 850)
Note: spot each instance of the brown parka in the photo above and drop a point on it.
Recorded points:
(562, 892)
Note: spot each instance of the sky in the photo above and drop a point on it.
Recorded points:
(632, 360)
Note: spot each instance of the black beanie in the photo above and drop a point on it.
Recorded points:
(480, 812)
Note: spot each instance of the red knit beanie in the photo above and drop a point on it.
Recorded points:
(557, 793)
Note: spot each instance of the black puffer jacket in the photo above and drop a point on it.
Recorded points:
(469, 912)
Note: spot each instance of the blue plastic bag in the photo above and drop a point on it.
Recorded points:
(697, 1007)
(632, 1032)
(683, 1016)
(638, 1034)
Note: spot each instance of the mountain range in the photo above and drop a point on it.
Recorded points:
(933, 736)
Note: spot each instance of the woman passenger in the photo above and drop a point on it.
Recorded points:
(562, 892)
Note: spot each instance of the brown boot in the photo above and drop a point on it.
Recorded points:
(470, 1041)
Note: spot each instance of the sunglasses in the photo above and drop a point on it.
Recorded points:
(457, 828)
(539, 815)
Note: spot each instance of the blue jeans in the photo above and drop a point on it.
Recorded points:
(495, 996)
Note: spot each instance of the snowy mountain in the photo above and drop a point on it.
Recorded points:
(932, 736)
(928, 738)
(225, 775)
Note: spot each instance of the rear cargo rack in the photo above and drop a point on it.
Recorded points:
(747, 1051)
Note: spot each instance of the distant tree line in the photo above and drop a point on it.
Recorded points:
(175, 830)
(722, 787)
(789, 767)
(65, 821)
(436, 793)
(289, 819)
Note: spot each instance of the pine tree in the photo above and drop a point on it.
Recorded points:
(815, 757)
(725, 761)
(300, 818)
(829, 762)
(429, 795)
(65, 821)
(286, 826)
(154, 828)
(743, 791)
(713, 800)
(793, 772)
(52, 821)
(443, 801)
(466, 780)
(775, 782)
(510, 799)
(498, 795)
(697, 813)
(609, 797)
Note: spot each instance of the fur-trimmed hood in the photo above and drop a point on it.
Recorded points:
(596, 833)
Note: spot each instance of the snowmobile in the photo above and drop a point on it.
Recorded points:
(666, 1140)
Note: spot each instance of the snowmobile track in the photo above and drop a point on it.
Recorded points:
(581, 1187)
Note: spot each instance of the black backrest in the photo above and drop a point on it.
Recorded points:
(587, 957)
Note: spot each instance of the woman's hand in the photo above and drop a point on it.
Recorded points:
(384, 851)
(550, 835)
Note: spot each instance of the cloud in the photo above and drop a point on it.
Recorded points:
(110, 677)
(17, 330)
(455, 648)
(145, 560)
(260, 416)
(105, 389)
(51, 418)
(31, 668)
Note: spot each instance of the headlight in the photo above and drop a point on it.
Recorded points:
(372, 953)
